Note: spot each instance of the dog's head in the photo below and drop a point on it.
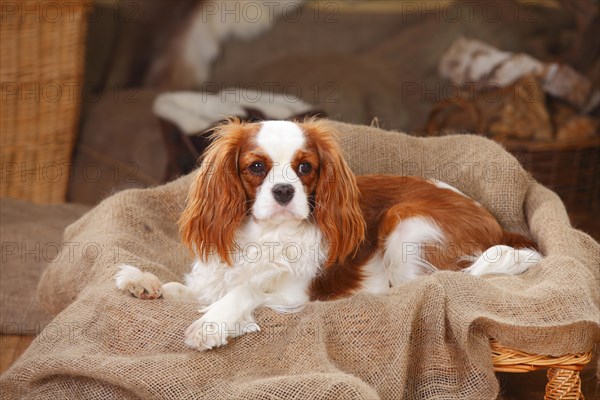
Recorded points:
(274, 172)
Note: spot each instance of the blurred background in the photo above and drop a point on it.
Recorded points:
(100, 96)
(104, 95)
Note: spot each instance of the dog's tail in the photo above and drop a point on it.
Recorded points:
(515, 255)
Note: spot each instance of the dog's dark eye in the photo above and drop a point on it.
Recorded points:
(304, 168)
(257, 168)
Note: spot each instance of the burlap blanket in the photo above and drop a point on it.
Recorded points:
(428, 339)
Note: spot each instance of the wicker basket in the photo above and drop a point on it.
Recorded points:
(564, 381)
(41, 65)
(569, 167)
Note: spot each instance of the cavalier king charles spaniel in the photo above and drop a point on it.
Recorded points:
(275, 218)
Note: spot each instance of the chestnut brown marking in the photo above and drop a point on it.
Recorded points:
(309, 181)
(218, 194)
(250, 181)
(336, 209)
(387, 200)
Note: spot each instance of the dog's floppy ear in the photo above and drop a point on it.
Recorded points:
(337, 210)
(216, 203)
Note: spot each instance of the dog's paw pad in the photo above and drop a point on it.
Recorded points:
(142, 285)
(202, 335)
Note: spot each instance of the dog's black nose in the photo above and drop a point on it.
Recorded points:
(283, 193)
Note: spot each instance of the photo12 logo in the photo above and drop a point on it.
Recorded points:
(261, 11)
(70, 11)
(466, 11)
(65, 92)
(55, 172)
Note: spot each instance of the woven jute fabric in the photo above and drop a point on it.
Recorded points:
(428, 339)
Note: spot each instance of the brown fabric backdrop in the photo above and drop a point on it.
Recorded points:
(31, 236)
(426, 339)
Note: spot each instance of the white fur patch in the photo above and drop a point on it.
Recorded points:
(444, 185)
(226, 318)
(375, 277)
(503, 259)
(280, 139)
(267, 256)
(273, 267)
(403, 254)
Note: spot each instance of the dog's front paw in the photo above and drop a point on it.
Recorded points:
(143, 285)
(208, 332)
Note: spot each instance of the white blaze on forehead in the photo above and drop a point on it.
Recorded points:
(280, 140)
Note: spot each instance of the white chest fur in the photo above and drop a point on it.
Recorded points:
(276, 259)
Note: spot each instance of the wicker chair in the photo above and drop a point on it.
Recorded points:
(564, 381)
(41, 68)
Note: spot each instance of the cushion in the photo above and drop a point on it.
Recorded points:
(428, 338)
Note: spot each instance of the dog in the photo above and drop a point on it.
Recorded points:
(276, 218)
